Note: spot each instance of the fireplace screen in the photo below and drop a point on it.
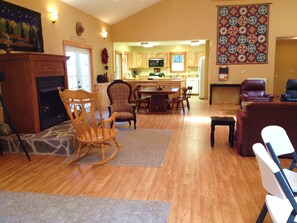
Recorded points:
(51, 108)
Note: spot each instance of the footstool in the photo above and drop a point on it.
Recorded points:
(223, 120)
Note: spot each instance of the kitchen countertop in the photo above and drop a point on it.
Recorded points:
(155, 79)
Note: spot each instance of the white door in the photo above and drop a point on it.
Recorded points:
(78, 68)
(118, 64)
(201, 76)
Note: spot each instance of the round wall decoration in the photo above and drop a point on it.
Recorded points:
(79, 28)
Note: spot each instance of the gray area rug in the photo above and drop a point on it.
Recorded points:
(30, 207)
(141, 147)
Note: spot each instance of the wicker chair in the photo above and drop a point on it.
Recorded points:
(119, 94)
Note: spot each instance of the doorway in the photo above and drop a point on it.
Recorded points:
(118, 65)
(285, 64)
(79, 66)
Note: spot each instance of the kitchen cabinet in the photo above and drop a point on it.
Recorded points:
(140, 60)
(192, 59)
(151, 55)
(144, 60)
(137, 60)
(132, 60)
(165, 57)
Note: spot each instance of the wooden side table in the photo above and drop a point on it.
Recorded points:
(223, 120)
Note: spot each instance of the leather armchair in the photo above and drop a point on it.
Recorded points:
(291, 91)
(254, 90)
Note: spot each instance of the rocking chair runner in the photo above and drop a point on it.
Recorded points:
(90, 132)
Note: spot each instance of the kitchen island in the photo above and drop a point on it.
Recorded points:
(159, 82)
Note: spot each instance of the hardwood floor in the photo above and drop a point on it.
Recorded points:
(203, 184)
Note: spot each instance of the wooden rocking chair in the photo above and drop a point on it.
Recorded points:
(91, 132)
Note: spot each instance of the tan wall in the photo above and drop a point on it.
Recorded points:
(285, 64)
(64, 29)
(197, 19)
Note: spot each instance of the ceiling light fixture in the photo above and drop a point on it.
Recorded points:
(195, 43)
(147, 45)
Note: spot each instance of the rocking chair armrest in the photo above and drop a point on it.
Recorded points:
(111, 118)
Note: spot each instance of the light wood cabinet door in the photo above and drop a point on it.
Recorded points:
(160, 55)
(139, 59)
(151, 56)
(192, 59)
(165, 57)
(132, 60)
(144, 60)
(166, 60)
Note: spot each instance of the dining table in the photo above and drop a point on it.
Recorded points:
(159, 98)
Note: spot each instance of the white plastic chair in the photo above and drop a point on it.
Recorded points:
(278, 143)
(280, 201)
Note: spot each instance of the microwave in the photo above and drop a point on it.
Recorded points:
(156, 62)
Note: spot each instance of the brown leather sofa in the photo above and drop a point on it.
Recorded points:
(254, 90)
(255, 116)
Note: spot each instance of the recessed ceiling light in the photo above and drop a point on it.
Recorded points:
(147, 45)
(195, 43)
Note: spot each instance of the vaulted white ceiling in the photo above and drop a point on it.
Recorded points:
(111, 11)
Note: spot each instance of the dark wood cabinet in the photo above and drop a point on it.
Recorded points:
(19, 90)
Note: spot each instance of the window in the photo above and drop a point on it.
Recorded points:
(177, 62)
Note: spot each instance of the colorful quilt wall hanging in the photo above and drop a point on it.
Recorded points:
(243, 34)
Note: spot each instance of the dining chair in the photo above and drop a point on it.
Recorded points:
(140, 99)
(278, 144)
(280, 201)
(189, 92)
(91, 129)
(184, 97)
(119, 93)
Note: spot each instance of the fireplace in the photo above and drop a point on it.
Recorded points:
(51, 108)
(30, 89)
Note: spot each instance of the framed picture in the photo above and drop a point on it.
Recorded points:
(20, 28)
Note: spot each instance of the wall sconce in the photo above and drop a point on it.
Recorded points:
(104, 34)
(54, 16)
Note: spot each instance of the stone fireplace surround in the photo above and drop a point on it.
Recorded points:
(58, 140)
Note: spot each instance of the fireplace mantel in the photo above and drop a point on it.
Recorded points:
(19, 90)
